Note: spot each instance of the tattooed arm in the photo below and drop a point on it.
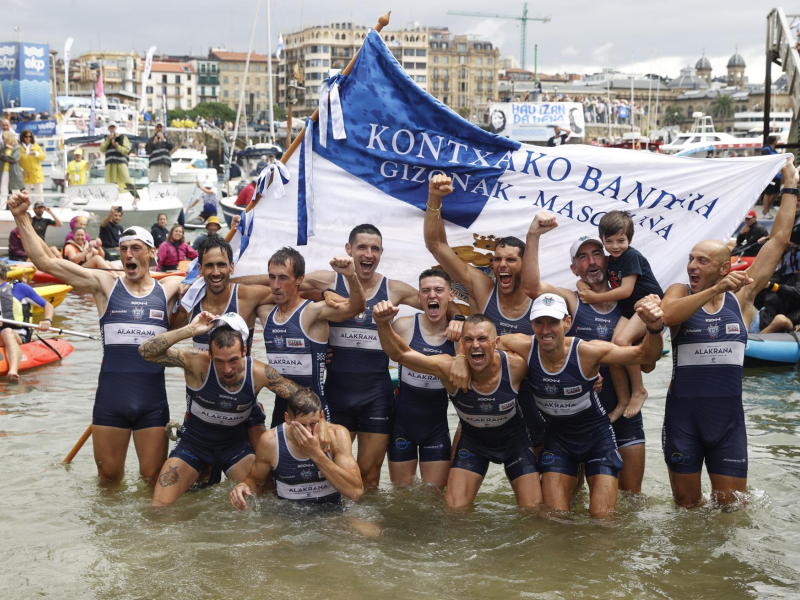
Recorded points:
(159, 349)
(267, 377)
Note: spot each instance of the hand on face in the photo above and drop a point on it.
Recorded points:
(306, 442)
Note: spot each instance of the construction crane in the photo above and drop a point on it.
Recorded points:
(524, 19)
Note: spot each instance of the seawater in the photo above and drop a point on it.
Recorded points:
(63, 536)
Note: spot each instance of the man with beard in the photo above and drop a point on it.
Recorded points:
(591, 322)
(501, 299)
(131, 395)
(296, 330)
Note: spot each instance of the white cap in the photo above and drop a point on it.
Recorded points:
(235, 322)
(549, 305)
(573, 250)
(111, 124)
(137, 233)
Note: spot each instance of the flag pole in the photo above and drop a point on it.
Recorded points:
(382, 22)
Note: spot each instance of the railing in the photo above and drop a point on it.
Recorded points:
(782, 50)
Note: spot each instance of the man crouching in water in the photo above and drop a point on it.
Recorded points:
(318, 477)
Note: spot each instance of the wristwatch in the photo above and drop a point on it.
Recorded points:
(655, 331)
(459, 318)
(792, 191)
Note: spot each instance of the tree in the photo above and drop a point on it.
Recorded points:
(464, 112)
(673, 115)
(722, 107)
(213, 110)
(279, 112)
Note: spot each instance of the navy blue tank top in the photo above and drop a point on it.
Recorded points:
(490, 417)
(589, 324)
(422, 388)
(201, 341)
(708, 352)
(355, 345)
(215, 414)
(566, 399)
(299, 479)
(128, 322)
(293, 353)
(503, 323)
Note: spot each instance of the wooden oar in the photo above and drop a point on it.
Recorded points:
(76, 448)
(51, 330)
(382, 22)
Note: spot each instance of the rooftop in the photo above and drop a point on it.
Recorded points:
(172, 67)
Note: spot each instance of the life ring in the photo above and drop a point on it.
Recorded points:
(80, 125)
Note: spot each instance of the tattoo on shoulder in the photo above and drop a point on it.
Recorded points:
(278, 383)
(170, 477)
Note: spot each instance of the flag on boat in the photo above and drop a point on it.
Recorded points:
(281, 47)
(380, 138)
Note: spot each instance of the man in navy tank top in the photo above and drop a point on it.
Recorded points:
(501, 299)
(709, 319)
(131, 397)
(296, 331)
(293, 453)
(358, 387)
(420, 433)
(591, 322)
(562, 372)
(492, 428)
(222, 384)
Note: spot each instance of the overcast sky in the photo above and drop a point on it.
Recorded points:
(582, 37)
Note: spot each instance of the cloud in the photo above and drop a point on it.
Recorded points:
(602, 53)
(570, 51)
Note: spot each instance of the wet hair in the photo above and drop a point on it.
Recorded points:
(25, 132)
(363, 228)
(212, 241)
(479, 319)
(614, 222)
(287, 254)
(512, 242)
(224, 336)
(436, 273)
(304, 401)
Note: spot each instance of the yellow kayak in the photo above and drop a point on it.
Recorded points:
(54, 294)
(20, 273)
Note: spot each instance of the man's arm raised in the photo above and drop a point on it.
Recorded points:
(352, 306)
(770, 254)
(679, 305)
(532, 283)
(476, 282)
(397, 349)
(67, 271)
(159, 349)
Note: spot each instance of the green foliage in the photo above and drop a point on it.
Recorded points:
(722, 107)
(673, 115)
(279, 112)
(464, 112)
(207, 110)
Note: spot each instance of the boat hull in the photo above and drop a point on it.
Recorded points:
(772, 350)
(37, 354)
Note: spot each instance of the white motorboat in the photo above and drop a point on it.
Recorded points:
(703, 139)
(156, 198)
(55, 235)
(229, 208)
(191, 166)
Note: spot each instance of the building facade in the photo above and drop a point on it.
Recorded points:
(121, 73)
(231, 71)
(180, 80)
(463, 72)
(312, 53)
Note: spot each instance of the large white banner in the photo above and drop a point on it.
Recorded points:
(535, 121)
(391, 138)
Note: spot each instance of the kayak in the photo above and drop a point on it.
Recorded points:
(54, 294)
(37, 354)
(742, 263)
(42, 277)
(772, 349)
(20, 272)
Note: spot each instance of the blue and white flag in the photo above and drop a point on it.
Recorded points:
(398, 137)
(281, 47)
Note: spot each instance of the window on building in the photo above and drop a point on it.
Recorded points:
(258, 94)
(444, 45)
(446, 86)
(203, 68)
(435, 73)
(202, 91)
(446, 60)
(480, 60)
(436, 59)
(435, 45)
(462, 73)
(213, 91)
(163, 79)
(462, 60)
(479, 87)
(213, 68)
(421, 78)
(224, 80)
(489, 61)
(435, 86)
(462, 86)
(445, 99)
(177, 78)
(408, 52)
(236, 93)
(235, 80)
(422, 52)
(462, 101)
(462, 47)
(225, 93)
(446, 73)
(188, 91)
(149, 89)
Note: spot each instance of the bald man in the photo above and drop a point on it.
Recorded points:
(709, 318)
